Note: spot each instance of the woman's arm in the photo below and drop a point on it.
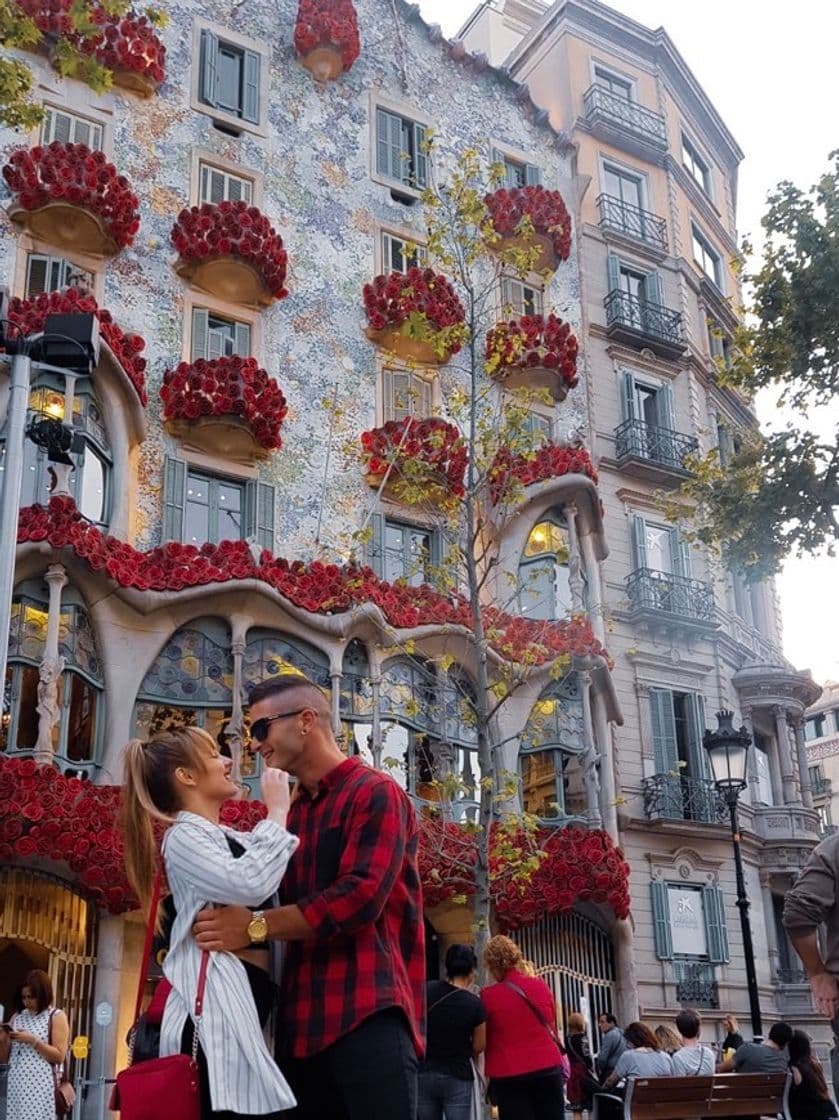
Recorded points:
(55, 1050)
(203, 859)
(479, 1039)
(617, 1074)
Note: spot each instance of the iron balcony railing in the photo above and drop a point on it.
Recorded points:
(677, 797)
(632, 221)
(635, 439)
(822, 787)
(790, 976)
(643, 317)
(649, 590)
(603, 106)
(826, 830)
(696, 984)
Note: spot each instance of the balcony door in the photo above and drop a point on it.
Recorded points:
(649, 407)
(640, 294)
(678, 721)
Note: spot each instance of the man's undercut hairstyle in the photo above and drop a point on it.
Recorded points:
(688, 1023)
(311, 696)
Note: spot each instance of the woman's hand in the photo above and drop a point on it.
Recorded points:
(276, 794)
(26, 1037)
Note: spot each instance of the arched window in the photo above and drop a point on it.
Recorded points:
(90, 480)
(75, 736)
(544, 585)
(190, 682)
(553, 736)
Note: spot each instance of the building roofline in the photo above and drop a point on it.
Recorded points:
(656, 45)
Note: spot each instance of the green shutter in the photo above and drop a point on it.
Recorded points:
(497, 156)
(259, 513)
(697, 755)
(652, 288)
(420, 176)
(713, 901)
(628, 395)
(435, 548)
(665, 746)
(250, 87)
(680, 551)
(389, 145)
(174, 498)
(661, 920)
(209, 68)
(613, 270)
(532, 175)
(200, 333)
(242, 339)
(664, 408)
(639, 542)
(374, 552)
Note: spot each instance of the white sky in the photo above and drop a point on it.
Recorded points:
(771, 72)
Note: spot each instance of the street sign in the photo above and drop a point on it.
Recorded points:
(80, 1047)
(104, 1014)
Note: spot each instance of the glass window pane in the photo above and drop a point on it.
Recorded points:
(27, 707)
(197, 511)
(92, 497)
(659, 550)
(229, 511)
(541, 792)
(81, 722)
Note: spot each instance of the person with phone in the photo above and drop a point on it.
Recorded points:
(39, 1036)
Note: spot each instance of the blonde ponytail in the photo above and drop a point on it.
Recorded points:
(149, 794)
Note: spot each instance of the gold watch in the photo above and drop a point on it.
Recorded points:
(257, 927)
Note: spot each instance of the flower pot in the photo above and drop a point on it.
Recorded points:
(533, 377)
(324, 62)
(135, 81)
(227, 437)
(546, 260)
(67, 226)
(230, 278)
(410, 349)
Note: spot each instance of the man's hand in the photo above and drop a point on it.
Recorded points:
(825, 991)
(224, 929)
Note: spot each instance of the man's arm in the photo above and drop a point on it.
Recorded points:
(824, 987)
(808, 903)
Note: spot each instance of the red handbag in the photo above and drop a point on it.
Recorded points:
(161, 1087)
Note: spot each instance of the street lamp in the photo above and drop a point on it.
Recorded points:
(728, 751)
(69, 344)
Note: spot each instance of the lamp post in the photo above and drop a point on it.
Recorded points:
(728, 750)
(68, 343)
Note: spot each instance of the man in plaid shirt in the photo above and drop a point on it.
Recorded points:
(352, 1003)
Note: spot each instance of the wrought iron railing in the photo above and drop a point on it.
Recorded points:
(790, 976)
(651, 319)
(677, 797)
(822, 787)
(660, 591)
(826, 830)
(632, 221)
(638, 440)
(696, 984)
(610, 108)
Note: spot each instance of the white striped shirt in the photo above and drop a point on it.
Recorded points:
(201, 869)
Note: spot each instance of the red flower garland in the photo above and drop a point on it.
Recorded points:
(73, 173)
(324, 23)
(417, 297)
(316, 587)
(30, 315)
(545, 209)
(47, 816)
(237, 230)
(230, 386)
(532, 341)
(549, 461)
(437, 447)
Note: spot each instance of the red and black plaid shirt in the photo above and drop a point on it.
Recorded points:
(356, 879)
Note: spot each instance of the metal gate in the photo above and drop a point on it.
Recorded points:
(574, 955)
(44, 911)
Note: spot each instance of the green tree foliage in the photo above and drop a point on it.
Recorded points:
(778, 493)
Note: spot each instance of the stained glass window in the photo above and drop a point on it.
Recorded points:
(269, 654)
(554, 733)
(195, 667)
(356, 689)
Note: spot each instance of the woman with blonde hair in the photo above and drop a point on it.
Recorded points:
(524, 1054)
(581, 1082)
(668, 1040)
(180, 778)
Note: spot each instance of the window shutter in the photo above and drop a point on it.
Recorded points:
(235, 189)
(532, 175)
(374, 552)
(422, 392)
(242, 339)
(388, 145)
(219, 345)
(82, 132)
(250, 87)
(259, 513)
(397, 395)
(628, 395)
(200, 332)
(680, 551)
(209, 68)
(435, 548)
(214, 188)
(57, 126)
(697, 755)
(498, 156)
(37, 272)
(664, 408)
(613, 267)
(174, 498)
(652, 288)
(663, 718)
(420, 177)
(661, 920)
(716, 930)
(639, 541)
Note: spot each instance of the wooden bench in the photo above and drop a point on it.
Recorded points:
(723, 1096)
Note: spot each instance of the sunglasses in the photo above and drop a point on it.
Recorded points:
(259, 727)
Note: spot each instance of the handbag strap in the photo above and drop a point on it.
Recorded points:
(147, 947)
(442, 999)
(537, 1013)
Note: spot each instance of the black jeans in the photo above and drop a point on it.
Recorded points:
(369, 1074)
(532, 1096)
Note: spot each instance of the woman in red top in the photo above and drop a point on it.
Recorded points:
(523, 1058)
